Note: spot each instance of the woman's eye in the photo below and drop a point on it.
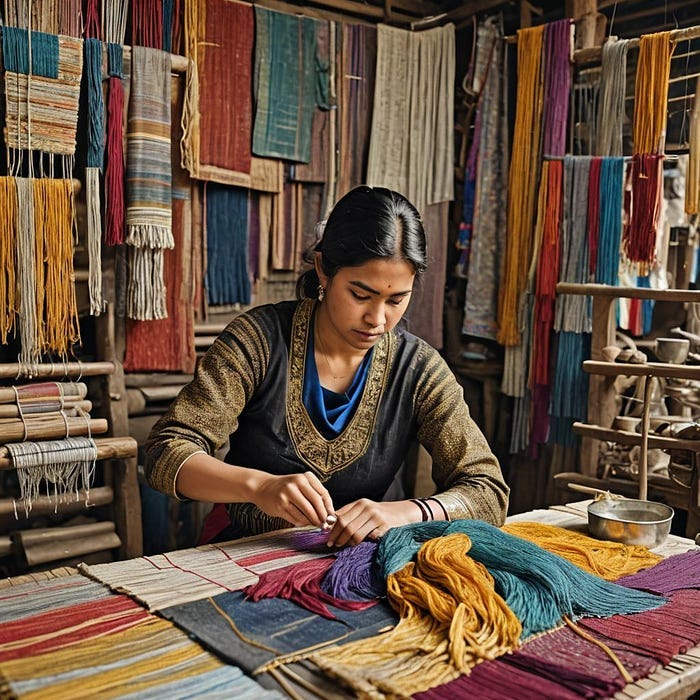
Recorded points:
(359, 297)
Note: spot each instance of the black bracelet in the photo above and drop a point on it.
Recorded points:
(439, 502)
(423, 509)
(424, 501)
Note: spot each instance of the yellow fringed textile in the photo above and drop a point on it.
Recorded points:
(522, 182)
(692, 181)
(651, 92)
(609, 560)
(56, 300)
(8, 246)
(451, 618)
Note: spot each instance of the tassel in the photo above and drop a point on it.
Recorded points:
(146, 287)
(8, 264)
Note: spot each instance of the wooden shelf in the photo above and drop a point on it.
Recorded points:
(627, 437)
(646, 369)
(607, 290)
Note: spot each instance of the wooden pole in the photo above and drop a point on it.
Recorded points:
(46, 505)
(13, 370)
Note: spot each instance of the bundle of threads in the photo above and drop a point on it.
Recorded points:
(464, 591)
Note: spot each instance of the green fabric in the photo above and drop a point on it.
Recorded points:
(285, 85)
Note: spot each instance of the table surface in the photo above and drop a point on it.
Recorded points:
(678, 681)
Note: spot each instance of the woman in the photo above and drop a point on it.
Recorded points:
(321, 398)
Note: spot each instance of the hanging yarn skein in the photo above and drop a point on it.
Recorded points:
(114, 171)
(522, 182)
(649, 138)
(92, 61)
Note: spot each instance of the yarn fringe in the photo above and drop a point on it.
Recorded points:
(150, 236)
(146, 299)
(94, 240)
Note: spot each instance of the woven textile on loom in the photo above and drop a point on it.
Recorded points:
(284, 85)
(358, 59)
(414, 95)
(133, 654)
(149, 182)
(42, 108)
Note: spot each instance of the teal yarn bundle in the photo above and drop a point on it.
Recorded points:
(538, 586)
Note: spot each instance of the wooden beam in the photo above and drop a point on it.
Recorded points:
(594, 54)
(473, 8)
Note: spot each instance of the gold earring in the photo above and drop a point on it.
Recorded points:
(321, 292)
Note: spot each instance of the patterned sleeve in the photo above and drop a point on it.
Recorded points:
(465, 470)
(206, 411)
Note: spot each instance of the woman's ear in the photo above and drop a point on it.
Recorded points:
(322, 276)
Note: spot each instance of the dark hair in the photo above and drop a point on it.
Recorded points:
(365, 224)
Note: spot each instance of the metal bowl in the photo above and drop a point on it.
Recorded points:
(630, 520)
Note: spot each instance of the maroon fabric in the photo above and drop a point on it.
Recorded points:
(497, 680)
(225, 86)
(115, 231)
(671, 629)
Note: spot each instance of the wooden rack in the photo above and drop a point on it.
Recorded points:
(119, 497)
(602, 394)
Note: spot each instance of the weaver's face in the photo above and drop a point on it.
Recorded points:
(364, 302)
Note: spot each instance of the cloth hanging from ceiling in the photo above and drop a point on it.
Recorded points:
(412, 141)
(424, 316)
(488, 221)
(319, 168)
(227, 279)
(285, 79)
(216, 143)
(42, 108)
(358, 58)
(168, 344)
(149, 182)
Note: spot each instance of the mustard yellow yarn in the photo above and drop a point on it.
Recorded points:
(609, 560)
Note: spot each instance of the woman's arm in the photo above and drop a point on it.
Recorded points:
(465, 470)
(300, 499)
(180, 448)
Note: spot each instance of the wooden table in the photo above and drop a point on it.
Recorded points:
(677, 681)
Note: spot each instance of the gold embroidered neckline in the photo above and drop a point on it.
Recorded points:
(324, 456)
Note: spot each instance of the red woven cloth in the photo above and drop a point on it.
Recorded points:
(225, 86)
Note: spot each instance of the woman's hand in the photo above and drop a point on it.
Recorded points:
(300, 499)
(369, 520)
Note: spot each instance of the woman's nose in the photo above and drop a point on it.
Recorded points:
(375, 315)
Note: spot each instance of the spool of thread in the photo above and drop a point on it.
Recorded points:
(330, 521)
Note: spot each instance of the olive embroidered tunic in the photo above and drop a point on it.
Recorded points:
(248, 390)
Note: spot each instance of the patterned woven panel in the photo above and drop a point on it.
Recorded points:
(42, 112)
(192, 574)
